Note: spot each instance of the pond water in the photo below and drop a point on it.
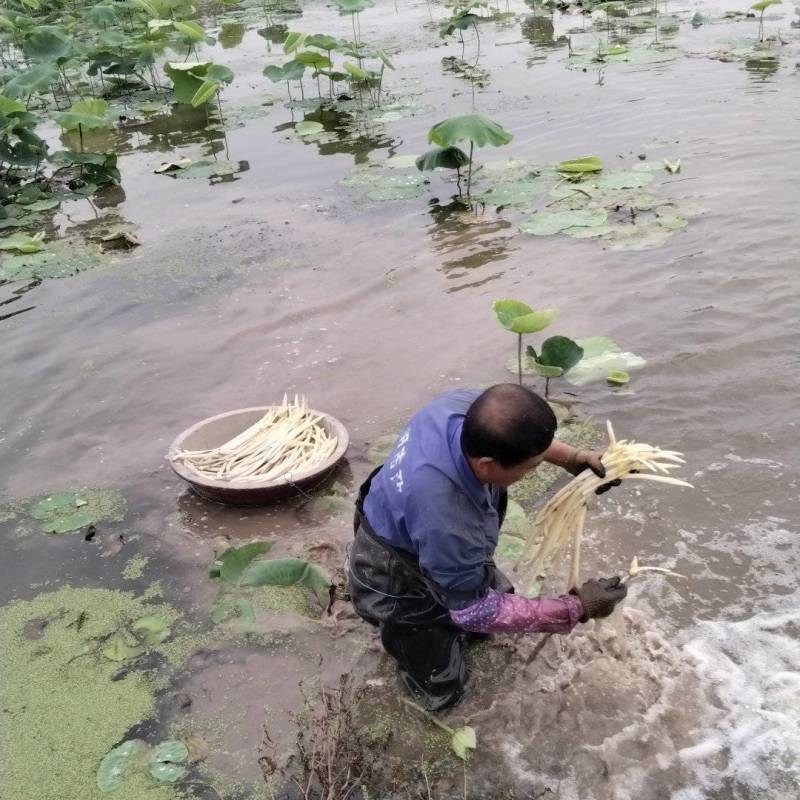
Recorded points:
(369, 291)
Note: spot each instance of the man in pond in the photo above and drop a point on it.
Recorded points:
(426, 526)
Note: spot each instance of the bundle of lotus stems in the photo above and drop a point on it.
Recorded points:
(287, 440)
(560, 522)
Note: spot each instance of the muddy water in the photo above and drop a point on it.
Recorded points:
(284, 280)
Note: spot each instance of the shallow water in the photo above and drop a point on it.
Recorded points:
(285, 280)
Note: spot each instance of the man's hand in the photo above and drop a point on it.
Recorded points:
(598, 597)
(590, 459)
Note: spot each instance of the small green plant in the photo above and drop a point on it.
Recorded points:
(520, 318)
(444, 158)
(761, 6)
(478, 129)
(462, 740)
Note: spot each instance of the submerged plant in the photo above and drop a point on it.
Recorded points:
(520, 318)
(478, 129)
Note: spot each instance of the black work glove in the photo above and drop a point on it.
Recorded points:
(590, 459)
(599, 596)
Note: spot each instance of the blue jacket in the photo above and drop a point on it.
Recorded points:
(427, 501)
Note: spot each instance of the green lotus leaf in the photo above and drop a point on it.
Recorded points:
(546, 371)
(763, 5)
(68, 523)
(618, 377)
(577, 166)
(294, 41)
(120, 647)
(547, 223)
(532, 323)
(355, 71)
(308, 127)
(118, 762)
(190, 29)
(624, 180)
(230, 565)
(322, 41)
(353, 6)
(507, 311)
(477, 128)
(151, 629)
(48, 43)
(560, 351)
(187, 78)
(167, 761)
(313, 59)
(442, 158)
(204, 93)
(87, 114)
(34, 80)
(102, 14)
(23, 243)
(601, 355)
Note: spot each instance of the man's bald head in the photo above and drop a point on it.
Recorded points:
(509, 424)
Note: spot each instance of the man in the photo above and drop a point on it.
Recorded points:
(427, 524)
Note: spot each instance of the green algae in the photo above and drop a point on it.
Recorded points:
(65, 704)
(287, 600)
(134, 567)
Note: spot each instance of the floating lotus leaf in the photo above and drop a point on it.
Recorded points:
(601, 356)
(547, 223)
(23, 243)
(168, 761)
(396, 187)
(122, 647)
(477, 128)
(514, 193)
(624, 180)
(118, 762)
(151, 629)
(287, 572)
(401, 162)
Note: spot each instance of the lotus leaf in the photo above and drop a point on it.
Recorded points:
(560, 352)
(87, 114)
(514, 193)
(579, 166)
(507, 311)
(286, 572)
(477, 128)
(313, 59)
(355, 72)
(290, 71)
(464, 740)
(187, 78)
(167, 761)
(23, 243)
(601, 355)
(322, 41)
(624, 180)
(294, 41)
(763, 5)
(102, 14)
(442, 158)
(117, 762)
(48, 43)
(618, 377)
(546, 223)
(353, 6)
(230, 565)
(190, 29)
(546, 371)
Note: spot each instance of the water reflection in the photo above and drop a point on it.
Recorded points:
(231, 34)
(762, 69)
(540, 30)
(344, 132)
(468, 240)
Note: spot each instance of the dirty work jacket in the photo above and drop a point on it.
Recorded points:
(426, 501)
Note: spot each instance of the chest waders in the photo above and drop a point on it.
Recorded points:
(389, 590)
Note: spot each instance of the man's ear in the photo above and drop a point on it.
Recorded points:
(483, 466)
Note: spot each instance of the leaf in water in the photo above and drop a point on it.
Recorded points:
(477, 128)
(209, 169)
(601, 355)
(246, 612)
(34, 80)
(121, 648)
(308, 127)
(353, 6)
(151, 629)
(186, 78)
(23, 243)
(43, 205)
(618, 377)
(624, 180)
(87, 114)
(578, 166)
(68, 523)
(514, 193)
(547, 371)
(167, 761)
(464, 740)
(119, 761)
(547, 223)
(172, 166)
(230, 565)
(223, 607)
(284, 572)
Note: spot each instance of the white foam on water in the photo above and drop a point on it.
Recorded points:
(751, 671)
